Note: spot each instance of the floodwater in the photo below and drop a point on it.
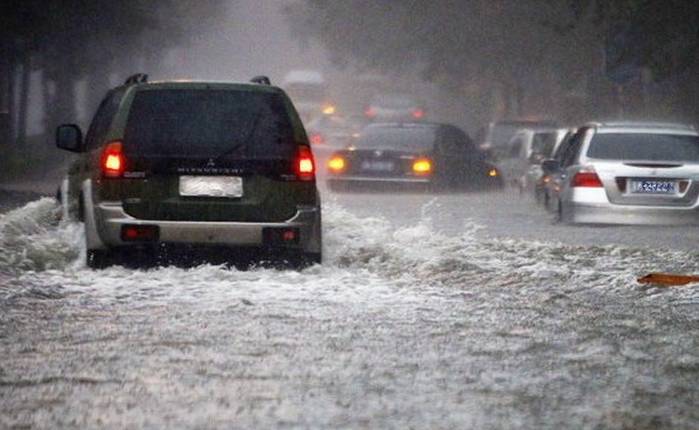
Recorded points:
(454, 311)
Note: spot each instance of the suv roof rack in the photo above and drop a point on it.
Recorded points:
(261, 79)
(138, 78)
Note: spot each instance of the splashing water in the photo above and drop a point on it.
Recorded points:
(401, 326)
(31, 238)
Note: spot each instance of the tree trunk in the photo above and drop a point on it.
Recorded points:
(7, 86)
(23, 101)
(97, 86)
(47, 98)
(63, 103)
(518, 94)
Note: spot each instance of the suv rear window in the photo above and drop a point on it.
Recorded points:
(644, 146)
(204, 123)
(400, 139)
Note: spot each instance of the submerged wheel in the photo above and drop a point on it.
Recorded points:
(306, 259)
(313, 258)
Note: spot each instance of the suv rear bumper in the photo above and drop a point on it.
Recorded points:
(110, 217)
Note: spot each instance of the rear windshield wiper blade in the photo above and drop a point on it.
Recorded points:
(242, 144)
(229, 151)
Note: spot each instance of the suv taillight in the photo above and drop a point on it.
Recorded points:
(586, 179)
(113, 161)
(305, 165)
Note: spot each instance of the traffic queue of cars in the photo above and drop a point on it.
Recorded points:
(619, 173)
(172, 167)
(174, 164)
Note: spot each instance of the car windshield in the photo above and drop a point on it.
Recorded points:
(644, 146)
(406, 139)
(207, 123)
(543, 143)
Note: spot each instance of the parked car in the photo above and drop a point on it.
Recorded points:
(629, 173)
(493, 138)
(521, 160)
(329, 133)
(416, 155)
(395, 107)
(309, 92)
(167, 166)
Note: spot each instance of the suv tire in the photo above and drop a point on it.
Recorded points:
(98, 259)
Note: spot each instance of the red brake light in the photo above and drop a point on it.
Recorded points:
(305, 165)
(113, 161)
(587, 180)
(418, 113)
(139, 233)
(369, 112)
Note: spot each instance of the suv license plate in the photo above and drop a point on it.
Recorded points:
(653, 187)
(211, 186)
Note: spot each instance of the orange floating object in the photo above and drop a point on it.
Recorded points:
(668, 279)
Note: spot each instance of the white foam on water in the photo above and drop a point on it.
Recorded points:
(357, 251)
(33, 239)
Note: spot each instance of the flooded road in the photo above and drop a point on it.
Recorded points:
(454, 311)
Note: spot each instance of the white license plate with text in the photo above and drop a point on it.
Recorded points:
(653, 187)
(211, 186)
(377, 166)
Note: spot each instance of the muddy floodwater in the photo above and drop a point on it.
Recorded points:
(454, 311)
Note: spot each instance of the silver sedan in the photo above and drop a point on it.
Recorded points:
(629, 173)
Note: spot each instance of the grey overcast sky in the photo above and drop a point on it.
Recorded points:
(255, 41)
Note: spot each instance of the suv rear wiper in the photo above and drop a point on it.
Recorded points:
(242, 144)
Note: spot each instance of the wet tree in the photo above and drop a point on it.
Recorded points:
(516, 56)
(75, 40)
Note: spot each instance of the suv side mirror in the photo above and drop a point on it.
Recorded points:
(550, 166)
(69, 137)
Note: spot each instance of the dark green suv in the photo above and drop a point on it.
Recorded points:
(185, 165)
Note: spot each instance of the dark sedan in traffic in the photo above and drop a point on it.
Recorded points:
(412, 155)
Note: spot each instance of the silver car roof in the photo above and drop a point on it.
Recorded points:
(644, 127)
